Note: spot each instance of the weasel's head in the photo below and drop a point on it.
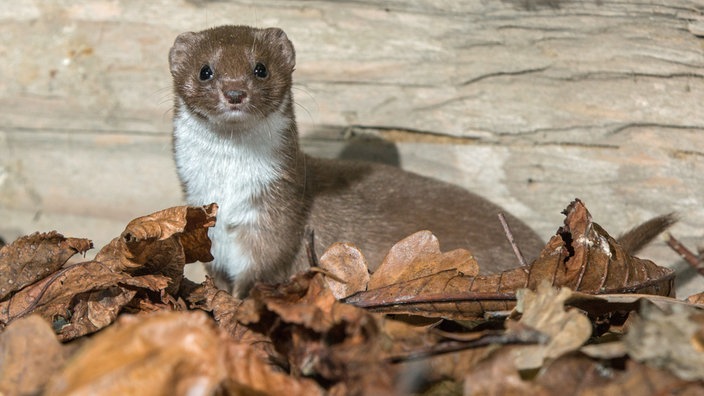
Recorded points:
(233, 74)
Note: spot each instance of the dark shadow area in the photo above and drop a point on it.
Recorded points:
(371, 148)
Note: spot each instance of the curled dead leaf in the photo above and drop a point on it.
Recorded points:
(584, 257)
(162, 243)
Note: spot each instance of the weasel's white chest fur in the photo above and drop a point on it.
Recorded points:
(230, 167)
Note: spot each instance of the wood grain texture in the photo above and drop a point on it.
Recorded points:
(545, 100)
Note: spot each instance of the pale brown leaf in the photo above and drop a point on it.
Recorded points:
(348, 265)
(419, 255)
(672, 339)
(159, 354)
(544, 311)
(29, 354)
(696, 298)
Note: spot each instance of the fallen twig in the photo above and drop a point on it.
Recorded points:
(527, 336)
(692, 259)
(509, 236)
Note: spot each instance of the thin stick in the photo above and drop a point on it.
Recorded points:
(310, 248)
(509, 236)
(691, 258)
(527, 336)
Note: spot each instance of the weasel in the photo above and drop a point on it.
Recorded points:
(236, 144)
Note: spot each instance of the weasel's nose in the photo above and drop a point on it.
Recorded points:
(235, 96)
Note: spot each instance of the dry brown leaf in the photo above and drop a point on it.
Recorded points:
(59, 295)
(348, 265)
(696, 299)
(95, 310)
(575, 374)
(544, 311)
(638, 379)
(159, 354)
(578, 375)
(584, 257)
(446, 294)
(91, 294)
(29, 354)
(672, 339)
(498, 376)
(162, 243)
(581, 256)
(318, 335)
(248, 372)
(405, 338)
(34, 257)
(58, 290)
(226, 310)
(419, 255)
(439, 367)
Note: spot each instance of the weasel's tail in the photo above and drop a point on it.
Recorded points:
(638, 237)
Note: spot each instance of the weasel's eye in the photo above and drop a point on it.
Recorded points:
(260, 70)
(206, 73)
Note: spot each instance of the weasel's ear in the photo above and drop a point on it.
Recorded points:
(278, 39)
(181, 49)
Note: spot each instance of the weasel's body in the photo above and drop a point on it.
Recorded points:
(236, 143)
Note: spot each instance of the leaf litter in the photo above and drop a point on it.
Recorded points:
(585, 317)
